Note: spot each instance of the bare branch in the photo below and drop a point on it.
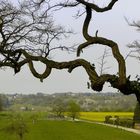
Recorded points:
(96, 7)
(103, 62)
(28, 32)
(36, 74)
(103, 41)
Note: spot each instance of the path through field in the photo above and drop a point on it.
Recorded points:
(120, 127)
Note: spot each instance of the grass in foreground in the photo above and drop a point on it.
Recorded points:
(66, 130)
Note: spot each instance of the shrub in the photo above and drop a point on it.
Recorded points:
(126, 123)
(107, 118)
(116, 120)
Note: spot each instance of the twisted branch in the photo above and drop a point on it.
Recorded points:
(96, 7)
(42, 76)
(12, 54)
(103, 41)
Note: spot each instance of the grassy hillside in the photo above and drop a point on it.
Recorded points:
(65, 130)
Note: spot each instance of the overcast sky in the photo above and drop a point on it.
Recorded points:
(111, 25)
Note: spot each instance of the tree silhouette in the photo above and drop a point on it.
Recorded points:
(27, 32)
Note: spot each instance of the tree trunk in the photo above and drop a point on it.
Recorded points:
(136, 118)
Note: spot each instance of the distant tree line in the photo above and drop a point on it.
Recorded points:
(87, 102)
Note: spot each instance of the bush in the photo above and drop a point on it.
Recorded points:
(116, 120)
(107, 118)
(126, 123)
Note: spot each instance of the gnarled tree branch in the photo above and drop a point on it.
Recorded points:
(25, 42)
(103, 41)
(42, 76)
(96, 7)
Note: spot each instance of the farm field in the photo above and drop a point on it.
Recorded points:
(100, 116)
(62, 130)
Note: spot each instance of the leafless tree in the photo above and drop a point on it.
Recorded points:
(102, 63)
(27, 31)
(26, 41)
(135, 46)
(135, 53)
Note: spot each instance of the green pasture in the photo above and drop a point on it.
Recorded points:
(66, 130)
(100, 116)
(44, 129)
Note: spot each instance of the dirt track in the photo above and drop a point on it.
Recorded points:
(120, 127)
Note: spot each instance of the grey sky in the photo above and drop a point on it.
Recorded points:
(110, 24)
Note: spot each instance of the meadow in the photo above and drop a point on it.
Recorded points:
(100, 116)
(44, 129)
(62, 130)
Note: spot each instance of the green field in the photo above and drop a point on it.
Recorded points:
(44, 129)
(100, 116)
(66, 130)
